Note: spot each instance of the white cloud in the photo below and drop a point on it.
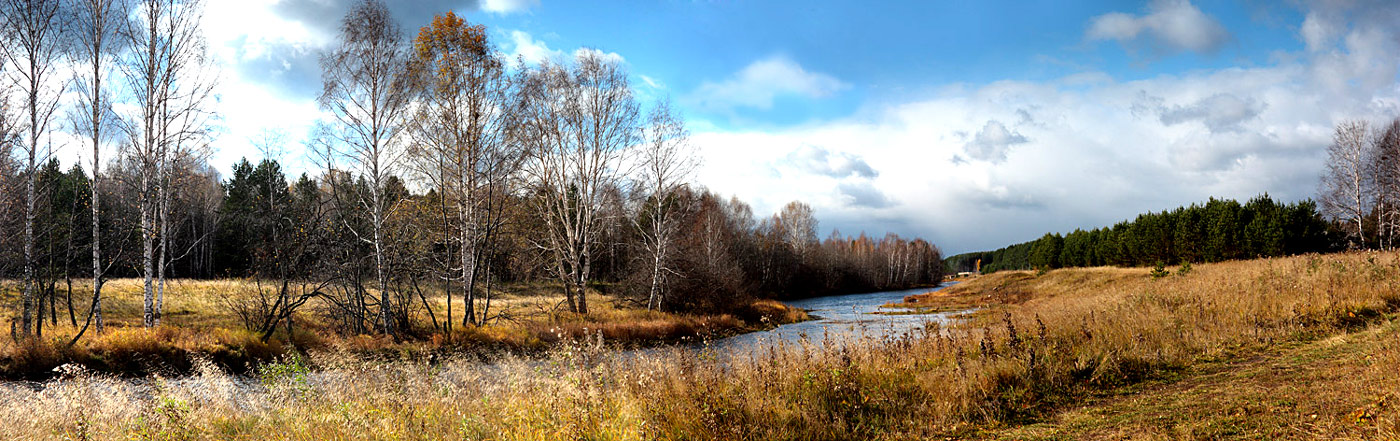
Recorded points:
(994, 141)
(609, 56)
(508, 6)
(863, 195)
(651, 82)
(759, 83)
(1318, 31)
(1221, 112)
(524, 46)
(1170, 25)
(818, 160)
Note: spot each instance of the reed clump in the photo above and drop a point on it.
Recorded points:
(1053, 339)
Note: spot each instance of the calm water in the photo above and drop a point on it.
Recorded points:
(842, 318)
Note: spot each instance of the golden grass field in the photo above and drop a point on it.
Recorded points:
(1302, 347)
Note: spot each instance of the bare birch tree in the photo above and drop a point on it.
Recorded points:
(9, 149)
(666, 161)
(33, 53)
(799, 227)
(1385, 176)
(94, 33)
(1346, 187)
(168, 75)
(578, 119)
(365, 89)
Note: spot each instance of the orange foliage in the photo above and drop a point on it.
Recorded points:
(449, 46)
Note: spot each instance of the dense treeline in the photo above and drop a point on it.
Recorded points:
(1215, 231)
(440, 167)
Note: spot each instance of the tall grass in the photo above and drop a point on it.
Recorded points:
(1048, 340)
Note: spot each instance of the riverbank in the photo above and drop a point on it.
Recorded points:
(1022, 367)
(203, 324)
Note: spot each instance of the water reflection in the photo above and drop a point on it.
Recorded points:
(842, 318)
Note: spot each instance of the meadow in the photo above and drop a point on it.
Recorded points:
(1302, 347)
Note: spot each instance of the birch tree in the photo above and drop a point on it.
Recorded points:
(799, 227)
(168, 75)
(460, 130)
(666, 161)
(365, 90)
(1385, 175)
(578, 119)
(33, 54)
(1346, 185)
(9, 150)
(94, 37)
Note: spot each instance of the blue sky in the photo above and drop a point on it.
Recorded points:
(973, 124)
(883, 51)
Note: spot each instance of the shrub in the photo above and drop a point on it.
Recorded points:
(1159, 271)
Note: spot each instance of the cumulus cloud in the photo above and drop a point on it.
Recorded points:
(1169, 26)
(526, 47)
(1221, 112)
(993, 142)
(820, 161)
(291, 68)
(759, 83)
(1318, 30)
(863, 195)
(523, 46)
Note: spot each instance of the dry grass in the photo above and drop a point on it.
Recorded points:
(1061, 337)
(1341, 387)
(199, 323)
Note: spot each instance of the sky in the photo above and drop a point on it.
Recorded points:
(971, 124)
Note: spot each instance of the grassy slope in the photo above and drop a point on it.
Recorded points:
(1081, 353)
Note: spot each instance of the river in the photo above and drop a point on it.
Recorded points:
(840, 318)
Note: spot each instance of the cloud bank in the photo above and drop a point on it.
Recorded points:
(981, 166)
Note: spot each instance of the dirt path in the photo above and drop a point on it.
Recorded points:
(1343, 387)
